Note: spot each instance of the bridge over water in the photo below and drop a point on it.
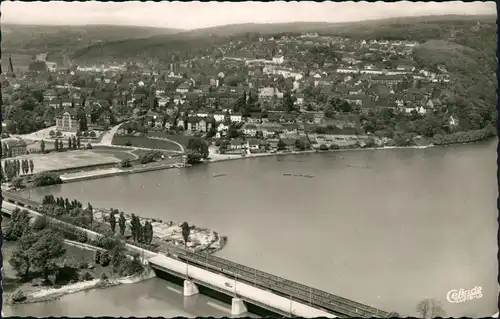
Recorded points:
(246, 284)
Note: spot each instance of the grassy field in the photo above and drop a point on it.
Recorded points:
(69, 159)
(143, 141)
(118, 153)
(181, 139)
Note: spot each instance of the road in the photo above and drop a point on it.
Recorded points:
(107, 138)
(171, 141)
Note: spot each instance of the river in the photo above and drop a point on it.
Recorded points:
(387, 228)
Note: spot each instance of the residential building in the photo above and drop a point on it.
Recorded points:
(67, 122)
(15, 146)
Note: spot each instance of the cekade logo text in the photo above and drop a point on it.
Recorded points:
(462, 295)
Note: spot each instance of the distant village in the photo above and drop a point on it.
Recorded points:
(272, 88)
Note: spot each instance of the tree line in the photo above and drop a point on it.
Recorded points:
(13, 168)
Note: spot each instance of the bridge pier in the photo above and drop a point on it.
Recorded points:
(238, 307)
(190, 288)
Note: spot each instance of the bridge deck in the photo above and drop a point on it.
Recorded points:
(179, 275)
(311, 296)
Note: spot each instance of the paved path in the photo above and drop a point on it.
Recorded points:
(107, 138)
(169, 140)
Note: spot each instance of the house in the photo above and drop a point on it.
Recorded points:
(15, 147)
(289, 143)
(236, 144)
(183, 88)
(193, 123)
(253, 144)
(219, 116)
(67, 122)
(236, 118)
(387, 79)
(202, 125)
(249, 129)
(66, 102)
(55, 103)
(49, 95)
(299, 99)
(278, 59)
(268, 93)
(222, 127)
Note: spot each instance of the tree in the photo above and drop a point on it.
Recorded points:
(281, 145)
(73, 142)
(122, 223)
(186, 231)
(199, 146)
(125, 163)
(22, 257)
(19, 225)
(112, 220)
(46, 251)
(288, 102)
(430, 308)
(133, 227)
(140, 230)
(42, 146)
(31, 165)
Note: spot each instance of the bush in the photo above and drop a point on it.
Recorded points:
(97, 257)
(125, 163)
(46, 179)
(52, 279)
(104, 276)
(334, 147)
(40, 222)
(18, 296)
(105, 259)
(87, 276)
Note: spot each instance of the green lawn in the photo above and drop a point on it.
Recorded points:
(181, 139)
(143, 141)
(119, 153)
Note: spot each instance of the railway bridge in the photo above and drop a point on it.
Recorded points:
(244, 284)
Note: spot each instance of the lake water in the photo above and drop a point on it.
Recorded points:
(387, 228)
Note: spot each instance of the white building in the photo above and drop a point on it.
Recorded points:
(278, 59)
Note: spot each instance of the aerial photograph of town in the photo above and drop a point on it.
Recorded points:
(249, 159)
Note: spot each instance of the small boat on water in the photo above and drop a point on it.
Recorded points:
(299, 175)
(218, 175)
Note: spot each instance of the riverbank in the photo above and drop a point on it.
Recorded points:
(216, 157)
(49, 294)
(167, 235)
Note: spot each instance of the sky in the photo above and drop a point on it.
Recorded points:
(193, 15)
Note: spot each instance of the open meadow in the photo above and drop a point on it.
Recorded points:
(69, 159)
(145, 142)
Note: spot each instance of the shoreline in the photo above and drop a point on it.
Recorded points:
(232, 157)
(50, 294)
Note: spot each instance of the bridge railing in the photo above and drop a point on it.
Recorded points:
(339, 305)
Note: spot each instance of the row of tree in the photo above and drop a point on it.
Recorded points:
(13, 168)
(63, 202)
(142, 233)
(73, 144)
